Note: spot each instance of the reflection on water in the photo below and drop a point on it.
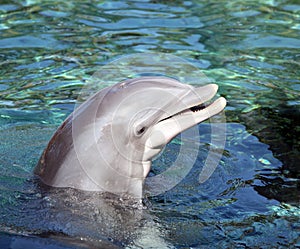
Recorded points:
(49, 49)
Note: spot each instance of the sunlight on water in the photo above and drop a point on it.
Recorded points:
(50, 49)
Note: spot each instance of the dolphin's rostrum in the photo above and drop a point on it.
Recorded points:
(108, 142)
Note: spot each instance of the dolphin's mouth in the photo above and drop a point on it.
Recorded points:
(194, 109)
(193, 102)
(197, 108)
(187, 113)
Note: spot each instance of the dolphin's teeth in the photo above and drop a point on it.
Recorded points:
(193, 109)
(197, 108)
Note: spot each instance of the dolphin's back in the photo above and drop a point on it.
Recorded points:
(54, 154)
(61, 143)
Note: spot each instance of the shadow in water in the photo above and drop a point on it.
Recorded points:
(279, 127)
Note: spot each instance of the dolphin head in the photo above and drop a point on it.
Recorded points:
(117, 132)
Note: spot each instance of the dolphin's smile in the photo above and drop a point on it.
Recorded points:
(187, 114)
(197, 108)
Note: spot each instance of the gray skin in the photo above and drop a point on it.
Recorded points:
(108, 142)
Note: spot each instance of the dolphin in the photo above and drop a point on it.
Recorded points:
(107, 143)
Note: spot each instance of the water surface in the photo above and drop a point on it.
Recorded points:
(50, 49)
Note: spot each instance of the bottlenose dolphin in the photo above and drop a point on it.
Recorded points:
(108, 142)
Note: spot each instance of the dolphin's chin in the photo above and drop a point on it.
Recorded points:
(169, 127)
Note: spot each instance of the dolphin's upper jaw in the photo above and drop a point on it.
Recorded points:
(195, 111)
(202, 108)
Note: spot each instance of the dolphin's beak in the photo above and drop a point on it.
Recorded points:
(190, 112)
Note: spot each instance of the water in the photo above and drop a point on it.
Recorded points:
(49, 49)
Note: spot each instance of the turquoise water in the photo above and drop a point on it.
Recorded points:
(251, 49)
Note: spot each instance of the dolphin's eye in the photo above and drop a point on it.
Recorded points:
(140, 130)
